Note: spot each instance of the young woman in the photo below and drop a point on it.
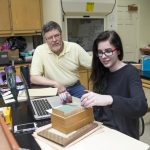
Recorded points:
(117, 98)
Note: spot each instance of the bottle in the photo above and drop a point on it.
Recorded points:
(10, 77)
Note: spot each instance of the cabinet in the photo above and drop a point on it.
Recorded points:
(84, 78)
(5, 23)
(20, 17)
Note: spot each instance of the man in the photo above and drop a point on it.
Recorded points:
(56, 62)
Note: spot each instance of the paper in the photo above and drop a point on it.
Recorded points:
(105, 138)
(9, 101)
(7, 96)
(39, 92)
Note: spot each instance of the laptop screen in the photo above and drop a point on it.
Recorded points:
(26, 86)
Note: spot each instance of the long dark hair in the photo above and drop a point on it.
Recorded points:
(99, 72)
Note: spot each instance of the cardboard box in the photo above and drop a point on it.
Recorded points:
(13, 54)
(70, 122)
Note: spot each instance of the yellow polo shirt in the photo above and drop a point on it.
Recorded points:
(62, 68)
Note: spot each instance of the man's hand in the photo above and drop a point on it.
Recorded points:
(61, 88)
(65, 97)
(92, 99)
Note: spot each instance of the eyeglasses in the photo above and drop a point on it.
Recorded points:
(56, 36)
(106, 52)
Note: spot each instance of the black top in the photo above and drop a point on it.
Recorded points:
(129, 102)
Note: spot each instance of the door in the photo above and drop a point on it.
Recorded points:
(5, 26)
(26, 16)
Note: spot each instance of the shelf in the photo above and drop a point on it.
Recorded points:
(145, 50)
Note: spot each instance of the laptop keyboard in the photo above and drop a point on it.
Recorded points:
(41, 106)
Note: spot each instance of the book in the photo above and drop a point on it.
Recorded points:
(67, 109)
(39, 92)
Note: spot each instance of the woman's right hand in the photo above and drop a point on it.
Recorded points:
(91, 99)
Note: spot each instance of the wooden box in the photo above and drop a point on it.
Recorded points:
(69, 118)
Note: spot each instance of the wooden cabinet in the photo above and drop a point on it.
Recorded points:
(5, 23)
(84, 78)
(20, 17)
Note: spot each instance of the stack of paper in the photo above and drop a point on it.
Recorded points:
(40, 92)
(8, 97)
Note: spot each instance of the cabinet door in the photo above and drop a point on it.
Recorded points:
(17, 67)
(84, 78)
(26, 16)
(90, 83)
(5, 26)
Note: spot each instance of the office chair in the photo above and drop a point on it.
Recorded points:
(141, 126)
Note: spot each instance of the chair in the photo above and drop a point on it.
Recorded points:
(141, 126)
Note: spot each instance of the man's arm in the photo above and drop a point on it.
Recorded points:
(84, 58)
(37, 79)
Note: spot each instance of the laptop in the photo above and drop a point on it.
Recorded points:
(39, 106)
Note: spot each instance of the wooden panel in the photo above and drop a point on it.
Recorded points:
(83, 77)
(26, 15)
(5, 27)
(17, 67)
(89, 82)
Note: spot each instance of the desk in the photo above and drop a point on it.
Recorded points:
(21, 114)
(104, 139)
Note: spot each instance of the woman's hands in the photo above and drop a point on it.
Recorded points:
(93, 99)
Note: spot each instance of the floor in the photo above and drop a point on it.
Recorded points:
(146, 136)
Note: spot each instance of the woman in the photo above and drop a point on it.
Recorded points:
(117, 96)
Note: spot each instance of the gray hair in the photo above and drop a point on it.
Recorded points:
(50, 26)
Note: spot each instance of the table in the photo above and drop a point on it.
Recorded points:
(21, 114)
(104, 139)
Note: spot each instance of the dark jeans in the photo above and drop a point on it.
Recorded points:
(76, 90)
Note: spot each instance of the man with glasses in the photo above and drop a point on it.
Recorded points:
(56, 62)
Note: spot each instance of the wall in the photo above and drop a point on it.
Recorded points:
(142, 34)
(52, 11)
(144, 23)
